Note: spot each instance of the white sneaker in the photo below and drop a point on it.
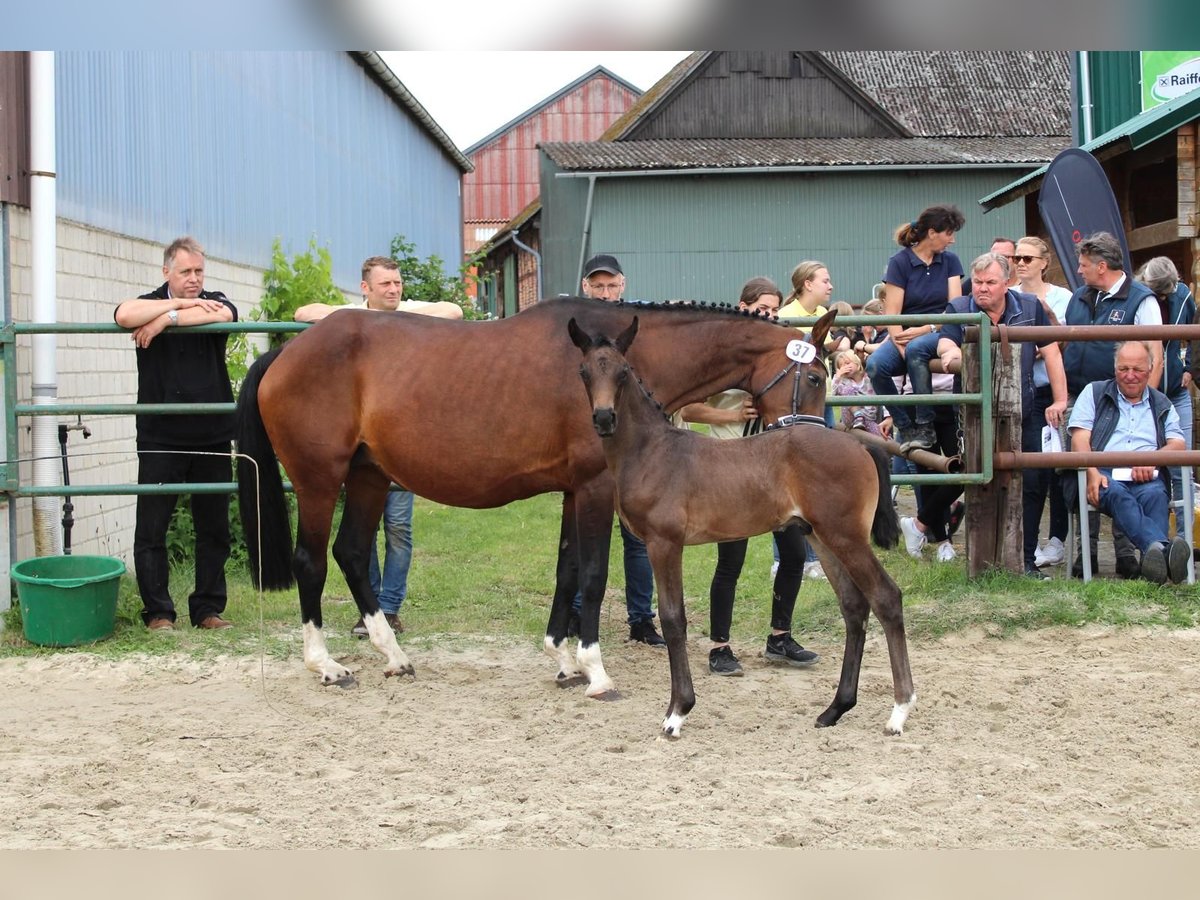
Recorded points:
(774, 568)
(1052, 554)
(946, 552)
(813, 570)
(914, 538)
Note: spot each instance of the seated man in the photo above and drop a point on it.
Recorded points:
(1125, 413)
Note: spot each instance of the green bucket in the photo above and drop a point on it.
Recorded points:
(68, 600)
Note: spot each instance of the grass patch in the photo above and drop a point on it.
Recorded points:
(491, 572)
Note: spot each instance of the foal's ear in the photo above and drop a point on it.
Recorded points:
(579, 337)
(625, 338)
(821, 329)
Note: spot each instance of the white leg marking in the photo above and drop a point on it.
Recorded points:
(588, 660)
(317, 658)
(900, 713)
(562, 655)
(672, 724)
(383, 639)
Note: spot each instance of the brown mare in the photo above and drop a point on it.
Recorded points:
(473, 414)
(676, 487)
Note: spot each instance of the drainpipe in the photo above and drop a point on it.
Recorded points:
(537, 261)
(43, 216)
(587, 234)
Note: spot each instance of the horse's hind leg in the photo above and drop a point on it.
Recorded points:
(854, 608)
(366, 494)
(310, 566)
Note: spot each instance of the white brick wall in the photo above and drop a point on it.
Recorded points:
(96, 270)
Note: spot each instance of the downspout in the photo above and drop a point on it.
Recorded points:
(43, 215)
(1085, 96)
(537, 260)
(587, 234)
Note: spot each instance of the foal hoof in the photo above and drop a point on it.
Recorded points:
(563, 680)
(607, 696)
(403, 670)
(345, 682)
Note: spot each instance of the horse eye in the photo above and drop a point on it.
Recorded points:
(814, 379)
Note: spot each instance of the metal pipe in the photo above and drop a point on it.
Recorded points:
(537, 261)
(1085, 95)
(935, 462)
(43, 214)
(1069, 459)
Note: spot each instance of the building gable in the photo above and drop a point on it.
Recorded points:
(764, 94)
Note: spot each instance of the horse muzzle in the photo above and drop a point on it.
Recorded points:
(604, 420)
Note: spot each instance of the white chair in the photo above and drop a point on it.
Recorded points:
(1184, 522)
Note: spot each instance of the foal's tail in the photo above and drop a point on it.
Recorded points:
(275, 554)
(885, 530)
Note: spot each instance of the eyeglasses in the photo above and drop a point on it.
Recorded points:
(1025, 259)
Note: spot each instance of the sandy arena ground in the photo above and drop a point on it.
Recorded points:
(1058, 738)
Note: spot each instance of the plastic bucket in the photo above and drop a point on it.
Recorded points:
(68, 600)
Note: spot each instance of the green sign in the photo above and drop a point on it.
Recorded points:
(1167, 74)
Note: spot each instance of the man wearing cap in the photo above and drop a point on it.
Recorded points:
(603, 279)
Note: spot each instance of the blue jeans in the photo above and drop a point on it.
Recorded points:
(1138, 507)
(639, 580)
(392, 588)
(886, 363)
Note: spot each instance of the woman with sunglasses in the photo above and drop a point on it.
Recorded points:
(1032, 258)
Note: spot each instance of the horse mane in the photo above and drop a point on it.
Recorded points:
(681, 306)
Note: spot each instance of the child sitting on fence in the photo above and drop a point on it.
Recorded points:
(850, 380)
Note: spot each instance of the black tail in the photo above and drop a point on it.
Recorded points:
(885, 530)
(276, 527)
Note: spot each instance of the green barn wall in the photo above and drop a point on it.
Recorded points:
(702, 237)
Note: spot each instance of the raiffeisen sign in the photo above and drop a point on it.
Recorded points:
(1167, 74)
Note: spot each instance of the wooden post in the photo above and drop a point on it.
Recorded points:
(994, 509)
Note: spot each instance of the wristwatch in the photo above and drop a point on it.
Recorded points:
(173, 315)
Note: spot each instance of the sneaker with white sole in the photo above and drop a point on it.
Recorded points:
(813, 570)
(946, 552)
(914, 538)
(774, 568)
(1052, 553)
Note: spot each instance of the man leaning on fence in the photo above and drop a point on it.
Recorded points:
(181, 367)
(1126, 414)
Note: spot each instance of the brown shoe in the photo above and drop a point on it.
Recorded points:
(393, 619)
(214, 623)
(160, 624)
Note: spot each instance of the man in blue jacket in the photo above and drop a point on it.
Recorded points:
(1125, 413)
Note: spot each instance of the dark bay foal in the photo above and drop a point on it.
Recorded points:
(675, 487)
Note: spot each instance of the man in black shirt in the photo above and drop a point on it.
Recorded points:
(181, 368)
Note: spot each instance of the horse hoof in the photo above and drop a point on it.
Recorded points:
(345, 682)
(606, 696)
(563, 680)
(405, 670)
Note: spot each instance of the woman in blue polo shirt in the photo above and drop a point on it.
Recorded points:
(921, 278)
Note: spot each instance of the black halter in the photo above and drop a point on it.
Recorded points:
(796, 417)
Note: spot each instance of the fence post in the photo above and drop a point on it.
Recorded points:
(994, 526)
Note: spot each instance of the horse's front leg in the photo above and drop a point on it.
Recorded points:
(566, 585)
(666, 557)
(593, 524)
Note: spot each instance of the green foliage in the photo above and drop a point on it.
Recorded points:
(307, 278)
(427, 279)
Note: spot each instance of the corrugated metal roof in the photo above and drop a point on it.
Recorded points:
(966, 93)
(758, 153)
(1137, 132)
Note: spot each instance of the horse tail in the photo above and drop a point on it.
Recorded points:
(275, 554)
(885, 530)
